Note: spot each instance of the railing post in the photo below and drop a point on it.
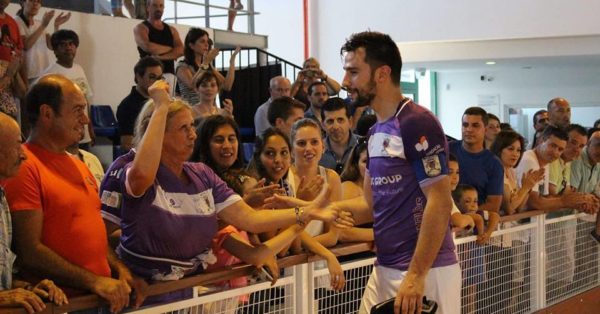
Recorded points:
(175, 4)
(250, 9)
(303, 274)
(207, 13)
(540, 260)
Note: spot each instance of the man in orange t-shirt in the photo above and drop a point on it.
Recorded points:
(58, 230)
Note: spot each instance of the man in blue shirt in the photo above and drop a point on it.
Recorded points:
(479, 167)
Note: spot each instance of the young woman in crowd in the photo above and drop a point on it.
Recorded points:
(271, 161)
(491, 129)
(509, 147)
(198, 56)
(311, 72)
(35, 38)
(219, 146)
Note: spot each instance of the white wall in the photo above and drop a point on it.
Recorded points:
(107, 52)
(458, 90)
(440, 20)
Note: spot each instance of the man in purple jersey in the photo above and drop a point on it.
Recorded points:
(406, 188)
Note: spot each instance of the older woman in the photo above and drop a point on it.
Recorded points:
(170, 206)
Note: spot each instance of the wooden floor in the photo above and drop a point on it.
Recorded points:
(585, 303)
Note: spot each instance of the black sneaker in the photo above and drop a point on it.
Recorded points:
(595, 236)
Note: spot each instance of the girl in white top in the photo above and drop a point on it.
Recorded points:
(35, 38)
(272, 161)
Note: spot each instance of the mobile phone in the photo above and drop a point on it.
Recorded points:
(387, 307)
(266, 273)
(310, 73)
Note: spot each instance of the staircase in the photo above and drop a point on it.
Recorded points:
(254, 68)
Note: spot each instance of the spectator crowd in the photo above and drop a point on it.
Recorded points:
(183, 198)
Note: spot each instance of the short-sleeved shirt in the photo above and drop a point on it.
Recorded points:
(111, 191)
(529, 161)
(404, 157)
(560, 174)
(482, 170)
(37, 57)
(261, 118)
(64, 189)
(128, 111)
(585, 177)
(172, 224)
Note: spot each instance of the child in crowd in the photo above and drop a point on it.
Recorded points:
(457, 219)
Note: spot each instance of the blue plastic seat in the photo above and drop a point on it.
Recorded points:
(104, 121)
(248, 151)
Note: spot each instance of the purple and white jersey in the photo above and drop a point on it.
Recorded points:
(406, 152)
(111, 191)
(167, 231)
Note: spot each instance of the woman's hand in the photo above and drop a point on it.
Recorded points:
(61, 19)
(308, 189)
(159, 92)
(234, 55)
(336, 274)
(257, 195)
(227, 106)
(210, 56)
(278, 201)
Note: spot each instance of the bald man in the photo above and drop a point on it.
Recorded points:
(16, 292)
(279, 86)
(54, 199)
(559, 113)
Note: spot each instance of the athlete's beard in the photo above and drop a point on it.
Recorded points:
(364, 98)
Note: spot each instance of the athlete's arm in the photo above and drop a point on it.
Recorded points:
(433, 228)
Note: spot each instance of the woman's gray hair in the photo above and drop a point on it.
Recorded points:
(143, 119)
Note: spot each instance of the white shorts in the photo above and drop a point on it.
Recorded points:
(442, 285)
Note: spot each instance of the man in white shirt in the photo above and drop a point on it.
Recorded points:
(64, 44)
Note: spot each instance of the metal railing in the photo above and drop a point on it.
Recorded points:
(208, 15)
(526, 267)
(255, 57)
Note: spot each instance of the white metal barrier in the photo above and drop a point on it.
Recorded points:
(526, 266)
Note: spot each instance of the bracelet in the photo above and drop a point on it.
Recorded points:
(299, 212)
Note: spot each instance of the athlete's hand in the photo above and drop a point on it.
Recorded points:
(409, 298)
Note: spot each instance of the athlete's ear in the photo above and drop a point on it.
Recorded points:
(383, 73)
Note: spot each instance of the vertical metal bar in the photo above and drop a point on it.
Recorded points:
(175, 10)
(207, 13)
(250, 10)
(540, 260)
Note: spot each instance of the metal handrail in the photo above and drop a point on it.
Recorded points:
(247, 12)
(223, 64)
